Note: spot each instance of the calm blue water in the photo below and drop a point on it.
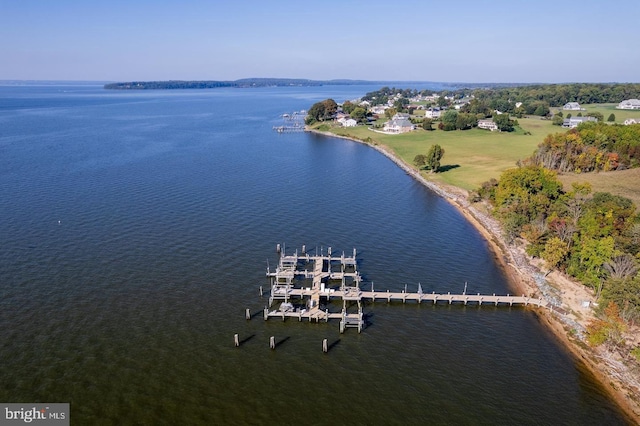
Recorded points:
(137, 226)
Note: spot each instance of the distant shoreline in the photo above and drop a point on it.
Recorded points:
(289, 82)
(520, 276)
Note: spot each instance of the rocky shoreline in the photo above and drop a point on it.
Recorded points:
(568, 317)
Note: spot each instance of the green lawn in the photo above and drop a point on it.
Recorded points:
(475, 156)
(605, 110)
(621, 182)
(471, 156)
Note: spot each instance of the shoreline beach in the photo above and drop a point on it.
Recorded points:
(568, 323)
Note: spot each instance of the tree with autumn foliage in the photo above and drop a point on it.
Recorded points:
(321, 111)
(595, 238)
(608, 328)
(590, 147)
(525, 194)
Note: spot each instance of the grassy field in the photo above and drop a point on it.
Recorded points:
(605, 110)
(625, 183)
(471, 156)
(475, 156)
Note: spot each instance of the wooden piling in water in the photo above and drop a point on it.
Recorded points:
(272, 342)
(325, 347)
(247, 314)
(284, 289)
(236, 340)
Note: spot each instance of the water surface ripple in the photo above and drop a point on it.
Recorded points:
(137, 226)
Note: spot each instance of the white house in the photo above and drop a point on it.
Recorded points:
(629, 104)
(572, 122)
(379, 109)
(629, 121)
(400, 125)
(487, 124)
(347, 122)
(432, 98)
(572, 106)
(433, 113)
(400, 116)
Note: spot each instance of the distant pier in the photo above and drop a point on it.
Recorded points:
(312, 279)
(289, 129)
(292, 123)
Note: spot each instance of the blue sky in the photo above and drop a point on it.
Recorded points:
(444, 40)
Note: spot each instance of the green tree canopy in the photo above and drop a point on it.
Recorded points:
(504, 123)
(434, 156)
(390, 112)
(321, 111)
(525, 194)
(348, 106)
(597, 115)
(449, 119)
(359, 114)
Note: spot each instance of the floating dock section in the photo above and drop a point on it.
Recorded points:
(302, 283)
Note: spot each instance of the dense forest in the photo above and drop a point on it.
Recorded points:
(591, 147)
(592, 237)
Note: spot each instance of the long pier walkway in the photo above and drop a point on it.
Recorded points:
(337, 278)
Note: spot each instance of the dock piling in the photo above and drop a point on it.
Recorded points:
(325, 346)
(325, 268)
(236, 340)
(247, 314)
(272, 342)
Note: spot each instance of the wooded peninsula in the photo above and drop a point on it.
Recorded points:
(241, 83)
(277, 82)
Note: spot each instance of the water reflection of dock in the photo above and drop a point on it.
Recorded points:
(305, 284)
(289, 129)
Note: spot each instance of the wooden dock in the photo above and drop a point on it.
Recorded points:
(292, 123)
(309, 280)
(288, 129)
